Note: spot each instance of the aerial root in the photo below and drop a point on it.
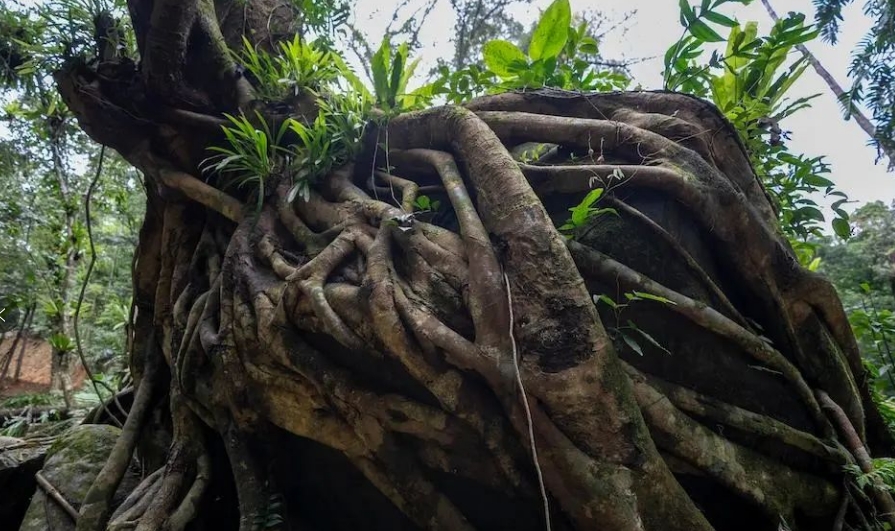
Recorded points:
(684, 255)
(128, 514)
(311, 278)
(95, 510)
(202, 193)
(409, 189)
(187, 464)
(596, 264)
(855, 445)
(596, 137)
(490, 314)
(710, 408)
(571, 179)
(189, 505)
(768, 483)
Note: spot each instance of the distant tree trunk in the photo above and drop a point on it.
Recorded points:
(344, 363)
(6, 360)
(63, 281)
(835, 88)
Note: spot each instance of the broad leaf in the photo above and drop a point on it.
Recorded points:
(631, 343)
(703, 32)
(379, 67)
(718, 18)
(499, 55)
(550, 36)
(842, 228)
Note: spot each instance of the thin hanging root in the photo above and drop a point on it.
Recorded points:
(567, 471)
(203, 194)
(681, 252)
(881, 496)
(95, 509)
(486, 291)
(594, 263)
(311, 278)
(470, 408)
(526, 406)
(720, 412)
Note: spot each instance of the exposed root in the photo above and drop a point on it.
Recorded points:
(853, 441)
(203, 194)
(594, 263)
(127, 515)
(432, 358)
(409, 189)
(770, 484)
(95, 509)
(713, 410)
(684, 255)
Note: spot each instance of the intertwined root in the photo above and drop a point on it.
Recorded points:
(467, 344)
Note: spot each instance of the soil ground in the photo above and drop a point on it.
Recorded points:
(35, 374)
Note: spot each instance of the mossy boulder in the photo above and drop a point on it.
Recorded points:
(72, 462)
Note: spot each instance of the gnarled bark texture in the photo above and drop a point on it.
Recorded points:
(339, 363)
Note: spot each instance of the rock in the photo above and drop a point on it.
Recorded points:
(71, 464)
(19, 460)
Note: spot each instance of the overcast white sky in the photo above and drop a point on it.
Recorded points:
(819, 130)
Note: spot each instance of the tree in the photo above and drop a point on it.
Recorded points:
(49, 170)
(871, 69)
(863, 270)
(324, 347)
(837, 90)
(477, 23)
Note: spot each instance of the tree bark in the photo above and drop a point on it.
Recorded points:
(342, 363)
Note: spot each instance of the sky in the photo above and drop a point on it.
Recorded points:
(819, 130)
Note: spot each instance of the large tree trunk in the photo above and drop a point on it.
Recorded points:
(341, 364)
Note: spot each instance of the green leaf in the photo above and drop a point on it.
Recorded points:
(640, 295)
(687, 14)
(842, 228)
(703, 32)
(718, 18)
(647, 337)
(550, 36)
(588, 46)
(592, 197)
(379, 68)
(631, 343)
(605, 299)
(499, 55)
(397, 73)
